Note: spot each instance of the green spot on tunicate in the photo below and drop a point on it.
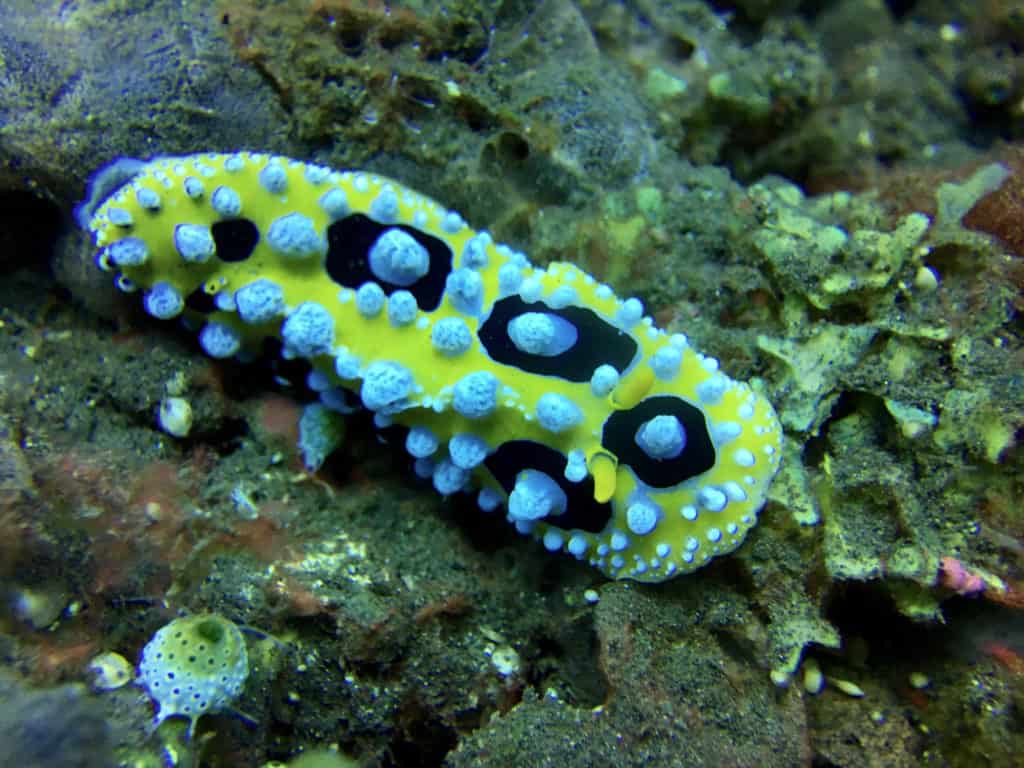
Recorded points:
(211, 630)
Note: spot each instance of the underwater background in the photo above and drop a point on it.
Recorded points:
(827, 197)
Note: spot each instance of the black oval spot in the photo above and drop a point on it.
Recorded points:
(200, 301)
(235, 239)
(581, 512)
(599, 342)
(348, 259)
(619, 437)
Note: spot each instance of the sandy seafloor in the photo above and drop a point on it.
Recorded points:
(826, 196)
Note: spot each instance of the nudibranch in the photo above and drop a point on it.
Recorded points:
(538, 389)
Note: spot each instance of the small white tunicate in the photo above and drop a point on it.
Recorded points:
(110, 670)
(814, 680)
(919, 681)
(506, 661)
(926, 279)
(175, 416)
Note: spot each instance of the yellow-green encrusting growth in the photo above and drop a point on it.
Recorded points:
(601, 435)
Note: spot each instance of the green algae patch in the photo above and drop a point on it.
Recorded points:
(805, 245)
(815, 365)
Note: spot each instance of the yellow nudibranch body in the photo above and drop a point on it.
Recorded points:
(599, 434)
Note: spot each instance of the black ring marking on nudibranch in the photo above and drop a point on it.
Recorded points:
(294, 371)
(598, 342)
(698, 455)
(235, 239)
(200, 301)
(581, 512)
(348, 258)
